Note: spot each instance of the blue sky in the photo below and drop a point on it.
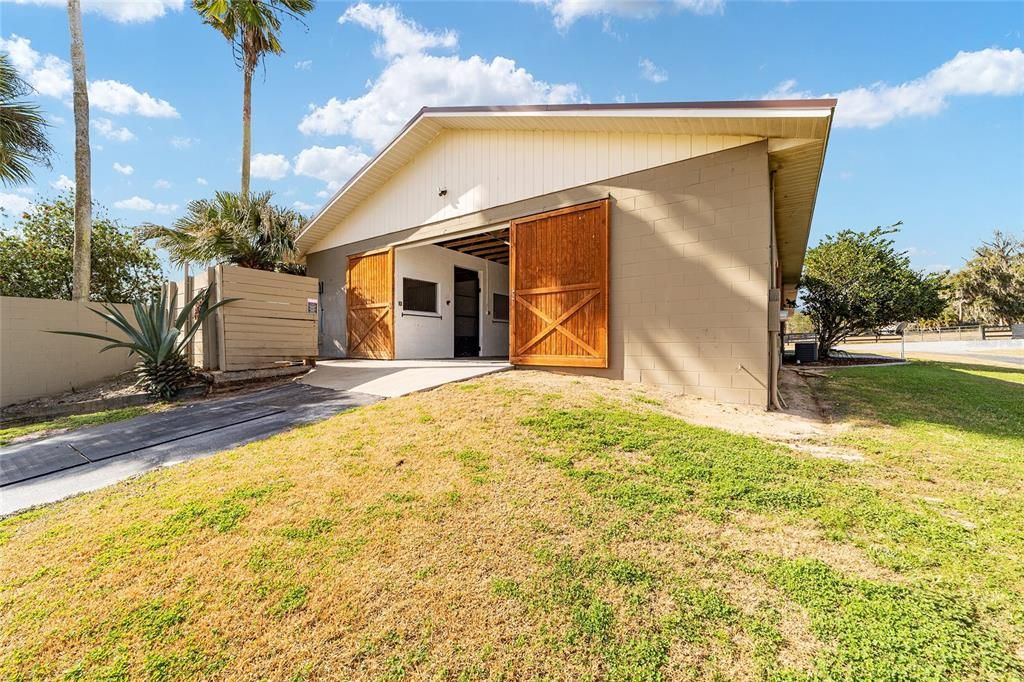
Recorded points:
(930, 125)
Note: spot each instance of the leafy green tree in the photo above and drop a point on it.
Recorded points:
(253, 28)
(35, 256)
(247, 230)
(858, 281)
(799, 323)
(23, 140)
(991, 283)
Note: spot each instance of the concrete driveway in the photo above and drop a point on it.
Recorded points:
(392, 378)
(49, 469)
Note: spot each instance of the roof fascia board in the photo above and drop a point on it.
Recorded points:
(638, 113)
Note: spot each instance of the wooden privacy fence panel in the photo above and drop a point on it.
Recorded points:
(273, 322)
(370, 301)
(559, 272)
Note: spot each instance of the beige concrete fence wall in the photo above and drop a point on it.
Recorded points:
(35, 363)
(274, 321)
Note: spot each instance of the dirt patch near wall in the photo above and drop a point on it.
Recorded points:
(805, 424)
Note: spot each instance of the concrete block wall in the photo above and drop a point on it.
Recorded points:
(690, 273)
(35, 363)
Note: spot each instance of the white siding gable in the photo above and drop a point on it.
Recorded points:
(486, 168)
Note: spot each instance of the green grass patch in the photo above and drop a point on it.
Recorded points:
(713, 473)
(69, 423)
(885, 631)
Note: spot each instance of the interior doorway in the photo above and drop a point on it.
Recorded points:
(467, 313)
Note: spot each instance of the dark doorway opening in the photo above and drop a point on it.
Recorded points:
(467, 313)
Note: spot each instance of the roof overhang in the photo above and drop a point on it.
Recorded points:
(797, 131)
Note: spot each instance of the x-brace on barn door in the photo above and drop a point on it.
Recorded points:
(559, 273)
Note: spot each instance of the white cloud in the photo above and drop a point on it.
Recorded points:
(991, 71)
(63, 183)
(323, 194)
(412, 79)
(269, 166)
(303, 206)
(161, 184)
(333, 166)
(138, 203)
(106, 128)
(48, 74)
(121, 11)
(51, 76)
(652, 72)
(567, 12)
(179, 142)
(120, 98)
(123, 168)
(417, 80)
(400, 36)
(304, 65)
(201, 181)
(14, 204)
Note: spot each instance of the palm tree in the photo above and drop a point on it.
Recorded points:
(252, 27)
(23, 140)
(243, 229)
(81, 257)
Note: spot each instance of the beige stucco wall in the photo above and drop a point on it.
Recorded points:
(690, 272)
(35, 363)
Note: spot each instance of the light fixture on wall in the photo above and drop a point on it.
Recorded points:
(442, 191)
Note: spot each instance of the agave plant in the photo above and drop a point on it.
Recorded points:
(158, 338)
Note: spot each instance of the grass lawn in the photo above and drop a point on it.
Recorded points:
(77, 421)
(530, 526)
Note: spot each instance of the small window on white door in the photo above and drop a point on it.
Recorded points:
(419, 296)
(499, 307)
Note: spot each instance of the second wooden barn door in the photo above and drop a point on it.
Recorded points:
(559, 272)
(370, 300)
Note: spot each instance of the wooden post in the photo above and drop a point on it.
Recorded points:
(217, 281)
(186, 285)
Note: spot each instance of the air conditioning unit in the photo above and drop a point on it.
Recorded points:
(806, 351)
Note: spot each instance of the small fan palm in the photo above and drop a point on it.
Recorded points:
(246, 230)
(158, 338)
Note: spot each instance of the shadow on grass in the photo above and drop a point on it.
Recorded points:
(980, 399)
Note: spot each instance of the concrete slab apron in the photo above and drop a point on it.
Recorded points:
(393, 378)
(134, 446)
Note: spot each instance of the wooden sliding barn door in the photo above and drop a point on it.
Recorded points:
(370, 283)
(559, 272)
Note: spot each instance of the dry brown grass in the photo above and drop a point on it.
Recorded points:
(427, 537)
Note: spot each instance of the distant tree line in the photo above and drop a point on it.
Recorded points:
(989, 288)
(858, 282)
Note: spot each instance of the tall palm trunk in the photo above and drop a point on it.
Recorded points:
(82, 254)
(246, 129)
(250, 57)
